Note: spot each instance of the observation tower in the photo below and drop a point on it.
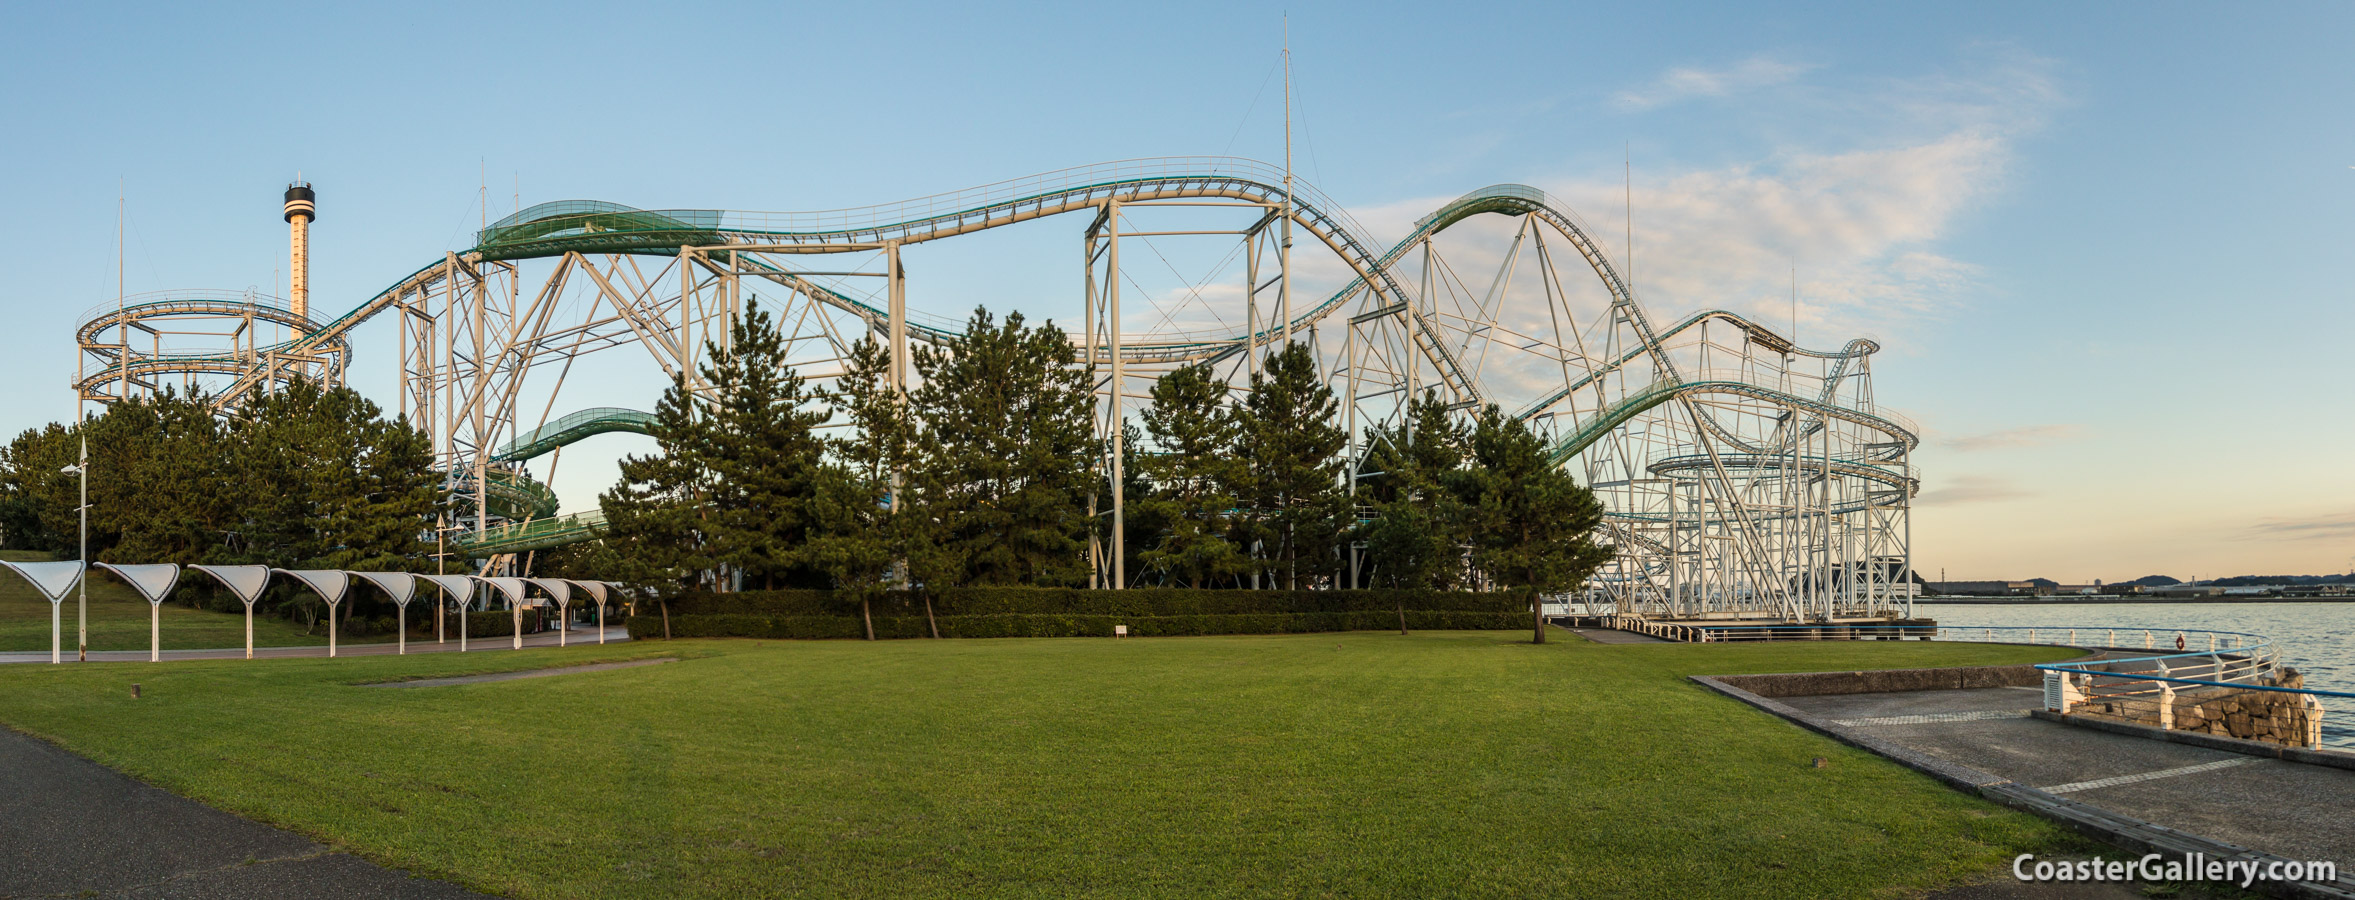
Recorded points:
(302, 208)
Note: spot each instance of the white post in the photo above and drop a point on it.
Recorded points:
(83, 468)
(2312, 736)
(155, 631)
(517, 612)
(403, 630)
(331, 629)
(2166, 697)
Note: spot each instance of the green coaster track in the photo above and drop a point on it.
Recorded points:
(1637, 383)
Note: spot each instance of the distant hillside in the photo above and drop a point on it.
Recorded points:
(2154, 581)
(2254, 580)
(2044, 582)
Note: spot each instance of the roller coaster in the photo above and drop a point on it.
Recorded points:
(1745, 477)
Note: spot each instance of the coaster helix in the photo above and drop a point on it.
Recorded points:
(1745, 477)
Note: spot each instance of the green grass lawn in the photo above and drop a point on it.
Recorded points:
(1363, 765)
(119, 619)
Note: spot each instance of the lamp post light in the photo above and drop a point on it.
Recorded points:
(82, 605)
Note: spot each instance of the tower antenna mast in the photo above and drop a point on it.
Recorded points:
(1284, 253)
(121, 333)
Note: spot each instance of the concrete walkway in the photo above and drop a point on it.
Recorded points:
(1611, 635)
(576, 637)
(71, 827)
(2292, 810)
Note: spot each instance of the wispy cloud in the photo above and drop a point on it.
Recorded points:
(1858, 211)
(1887, 169)
(1689, 82)
(2333, 526)
(2024, 436)
(1962, 489)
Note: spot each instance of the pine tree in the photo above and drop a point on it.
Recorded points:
(763, 453)
(163, 455)
(872, 520)
(1532, 526)
(302, 477)
(32, 489)
(1190, 471)
(655, 518)
(733, 492)
(1415, 537)
(317, 478)
(1007, 417)
(1290, 484)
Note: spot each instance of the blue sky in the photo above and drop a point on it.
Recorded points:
(2104, 245)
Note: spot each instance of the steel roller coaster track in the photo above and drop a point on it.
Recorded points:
(1745, 476)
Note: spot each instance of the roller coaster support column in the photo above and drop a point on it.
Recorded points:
(898, 280)
(482, 457)
(1087, 346)
(1351, 452)
(1284, 259)
(1251, 302)
(1114, 424)
(1675, 556)
(1905, 499)
(899, 319)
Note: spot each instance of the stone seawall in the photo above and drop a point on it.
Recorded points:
(2290, 720)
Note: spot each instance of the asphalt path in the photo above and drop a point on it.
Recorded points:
(71, 827)
(2290, 809)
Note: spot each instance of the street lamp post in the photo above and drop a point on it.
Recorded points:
(82, 605)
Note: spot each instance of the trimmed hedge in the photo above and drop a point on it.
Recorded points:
(831, 627)
(1142, 602)
(496, 623)
(1065, 612)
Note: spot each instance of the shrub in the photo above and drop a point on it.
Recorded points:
(1065, 624)
(500, 623)
(1001, 601)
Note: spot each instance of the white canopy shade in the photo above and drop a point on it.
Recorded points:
(400, 585)
(52, 579)
(459, 587)
(246, 582)
(153, 581)
(556, 587)
(510, 588)
(595, 589)
(329, 583)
